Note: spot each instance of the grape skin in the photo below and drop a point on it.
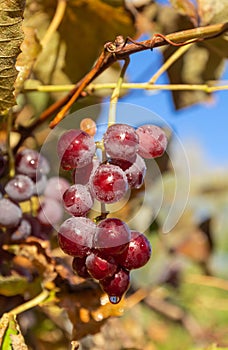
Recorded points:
(10, 213)
(99, 268)
(136, 173)
(116, 285)
(77, 200)
(152, 141)
(32, 163)
(20, 188)
(75, 148)
(108, 183)
(75, 236)
(112, 236)
(121, 141)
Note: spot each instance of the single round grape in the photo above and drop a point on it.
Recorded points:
(55, 187)
(137, 254)
(10, 213)
(109, 183)
(32, 163)
(22, 231)
(82, 175)
(99, 268)
(76, 236)
(112, 236)
(77, 200)
(40, 184)
(121, 141)
(152, 141)
(75, 148)
(88, 125)
(116, 285)
(79, 267)
(20, 188)
(136, 173)
(50, 212)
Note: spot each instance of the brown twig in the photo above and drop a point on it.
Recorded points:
(119, 50)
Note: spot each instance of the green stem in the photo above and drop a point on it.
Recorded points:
(116, 93)
(31, 303)
(139, 86)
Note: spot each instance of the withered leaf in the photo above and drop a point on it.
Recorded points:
(13, 285)
(212, 11)
(12, 337)
(11, 13)
(30, 49)
(186, 8)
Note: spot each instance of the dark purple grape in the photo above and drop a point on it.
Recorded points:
(79, 266)
(152, 141)
(112, 237)
(76, 236)
(99, 268)
(22, 231)
(50, 212)
(121, 141)
(136, 173)
(32, 163)
(137, 254)
(20, 188)
(40, 184)
(10, 213)
(77, 200)
(75, 148)
(55, 187)
(108, 183)
(116, 285)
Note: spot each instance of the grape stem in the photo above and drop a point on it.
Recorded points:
(31, 303)
(116, 94)
(113, 52)
(57, 19)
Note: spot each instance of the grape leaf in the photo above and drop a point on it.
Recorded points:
(13, 285)
(12, 337)
(186, 8)
(212, 11)
(11, 12)
(79, 39)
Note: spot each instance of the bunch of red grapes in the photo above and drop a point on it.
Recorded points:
(105, 248)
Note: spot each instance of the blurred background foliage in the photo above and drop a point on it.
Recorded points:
(179, 300)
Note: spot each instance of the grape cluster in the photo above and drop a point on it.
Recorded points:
(29, 182)
(104, 248)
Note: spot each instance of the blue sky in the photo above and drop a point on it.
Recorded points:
(206, 125)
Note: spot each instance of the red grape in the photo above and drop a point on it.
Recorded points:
(76, 236)
(152, 141)
(137, 254)
(77, 200)
(75, 148)
(112, 236)
(79, 266)
(121, 141)
(108, 183)
(136, 173)
(116, 285)
(99, 268)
